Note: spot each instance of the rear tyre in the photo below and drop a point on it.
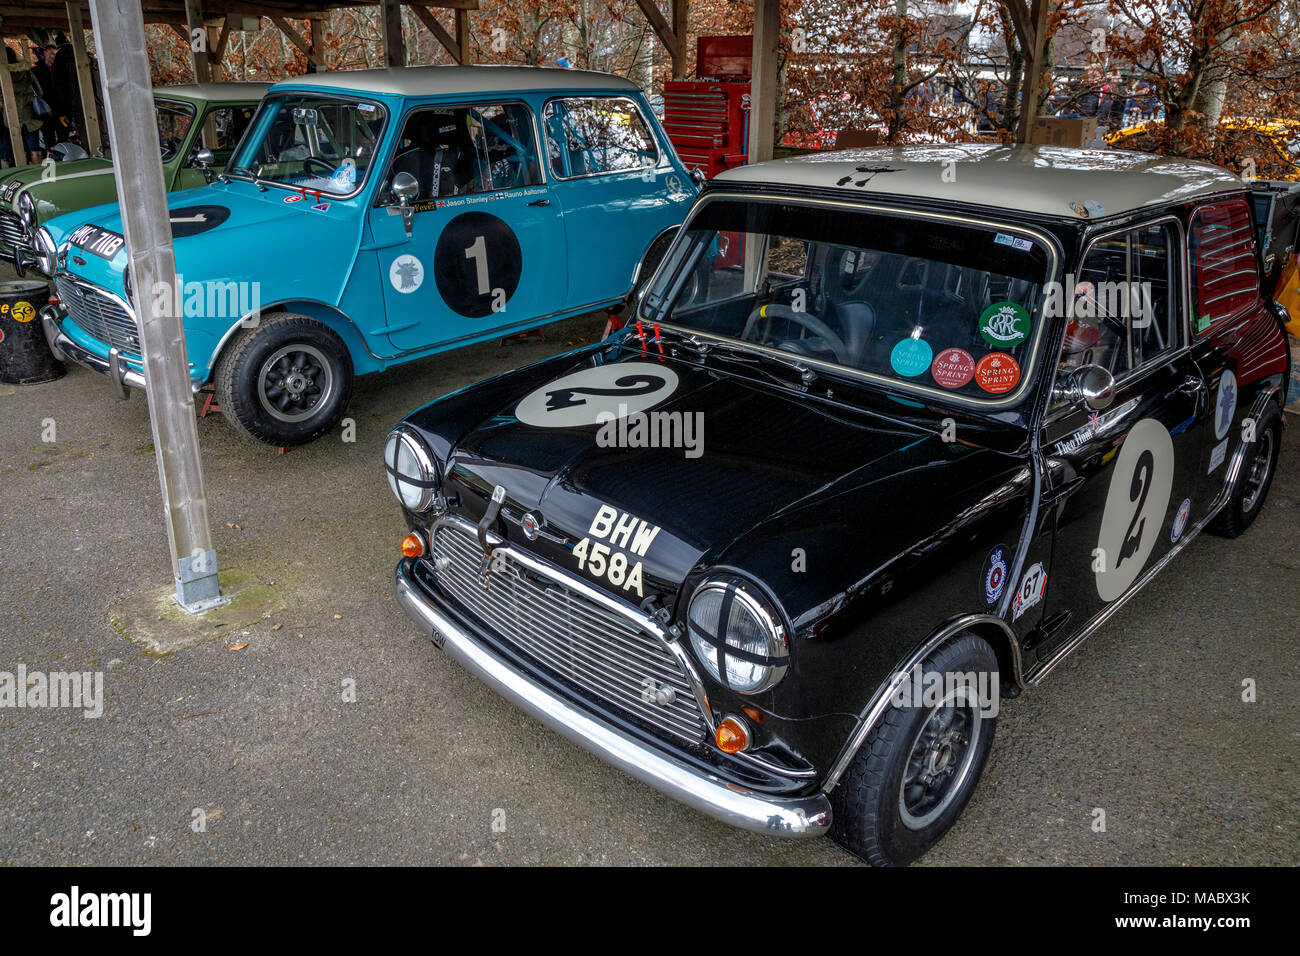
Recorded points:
(285, 382)
(1255, 478)
(915, 772)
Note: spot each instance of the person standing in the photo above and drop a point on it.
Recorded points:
(26, 90)
(55, 126)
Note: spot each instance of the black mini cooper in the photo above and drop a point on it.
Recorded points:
(889, 435)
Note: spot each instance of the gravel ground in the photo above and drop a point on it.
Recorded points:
(1145, 721)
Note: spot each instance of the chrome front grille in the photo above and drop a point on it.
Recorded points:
(585, 644)
(100, 315)
(13, 234)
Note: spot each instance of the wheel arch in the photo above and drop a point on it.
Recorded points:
(332, 317)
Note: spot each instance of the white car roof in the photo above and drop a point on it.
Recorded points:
(434, 80)
(1048, 180)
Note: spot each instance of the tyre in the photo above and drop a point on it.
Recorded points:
(1255, 478)
(285, 382)
(915, 772)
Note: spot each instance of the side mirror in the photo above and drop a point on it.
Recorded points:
(1089, 385)
(697, 175)
(405, 188)
(204, 159)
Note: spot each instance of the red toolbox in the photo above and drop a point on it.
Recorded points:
(707, 119)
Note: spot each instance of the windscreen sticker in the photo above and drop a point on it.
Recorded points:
(997, 373)
(406, 273)
(1032, 588)
(1015, 242)
(911, 356)
(953, 368)
(596, 395)
(1005, 324)
(1136, 504)
(1226, 406)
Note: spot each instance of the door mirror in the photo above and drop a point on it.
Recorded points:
(404, 189)
(1089, 385)
(204, 159)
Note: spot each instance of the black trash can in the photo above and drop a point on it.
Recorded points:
(25, 356)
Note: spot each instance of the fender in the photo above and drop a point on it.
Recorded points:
(364, 360)
(636, 272)
(993, 629)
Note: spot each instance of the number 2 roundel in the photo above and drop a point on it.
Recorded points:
(477, 264)
(1135, 507)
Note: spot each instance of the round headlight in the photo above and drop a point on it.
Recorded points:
(725, 620)
(27, 209)
(47, 253)
(411, 471)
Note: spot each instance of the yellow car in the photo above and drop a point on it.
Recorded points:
(1252, 148)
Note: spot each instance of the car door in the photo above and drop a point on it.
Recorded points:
(618, 188)
(486, 249)
(1121, 482)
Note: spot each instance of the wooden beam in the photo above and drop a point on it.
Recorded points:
(762, 87)
(218, 52)
(294, 37)
(11, 107)
(1033, 70)
(317, 26)
(662, 30)
(180, 32)
(90, 131)
(449, 4)
(462, 37)
(425, 16)
(194, 23)
(681, 13)
(394, 46)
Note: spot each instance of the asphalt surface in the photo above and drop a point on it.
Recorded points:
(1146, 721)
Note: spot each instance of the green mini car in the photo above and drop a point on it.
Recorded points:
(71, 180)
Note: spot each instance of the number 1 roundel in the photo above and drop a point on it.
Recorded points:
(477, 264)
(1135, 507)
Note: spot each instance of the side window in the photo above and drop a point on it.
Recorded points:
(587, 136)
(228, 124)
(1125, 307)
(461, 150)
(1225, 279)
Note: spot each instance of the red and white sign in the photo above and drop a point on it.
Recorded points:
(953, 368)
(997, 373)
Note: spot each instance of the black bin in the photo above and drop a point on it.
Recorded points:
(25, 356)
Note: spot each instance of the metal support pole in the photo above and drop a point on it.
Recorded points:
(394, 46)
(85, 82)
(11, 107)
(762, 89)
(137, 168)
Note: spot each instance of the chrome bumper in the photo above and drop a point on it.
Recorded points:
(118, 372)
(728, 802)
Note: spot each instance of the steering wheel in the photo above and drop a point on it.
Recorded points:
(329, 170)
(805, 319)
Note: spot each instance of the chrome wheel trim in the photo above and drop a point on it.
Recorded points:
(943, 750)
(295, 382)
(1256, 477)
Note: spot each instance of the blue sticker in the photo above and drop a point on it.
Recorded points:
(345, 176)
(321, 207)
(995, 576)
(911, 357)
(1180, 520)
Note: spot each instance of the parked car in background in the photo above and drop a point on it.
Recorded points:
(1257, 149)
(31, 195)
(895, 431)
(375, 217)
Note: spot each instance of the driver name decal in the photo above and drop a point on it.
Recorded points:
(615, 541)
(595, 395)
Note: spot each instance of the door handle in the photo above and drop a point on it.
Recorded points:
(540, 202)
(1060, 492)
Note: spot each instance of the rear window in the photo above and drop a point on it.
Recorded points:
(1225, 279)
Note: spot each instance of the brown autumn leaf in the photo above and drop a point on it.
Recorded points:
(239, 646)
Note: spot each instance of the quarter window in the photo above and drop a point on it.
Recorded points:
(1224, 276)
(591, 135)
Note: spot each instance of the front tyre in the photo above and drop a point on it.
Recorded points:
(285, 382)
(913, 775)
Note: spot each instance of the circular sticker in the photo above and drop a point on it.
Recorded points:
(1180, 520)
(192, 220)
(1226, 406)
(995, 575)
(345, 176)
(1005, 324)
(595, 394)
(997, 373)
(406, 273)
(23, 312)
(911, 357)
(953, 368)
(477, 264)
(1135, 509)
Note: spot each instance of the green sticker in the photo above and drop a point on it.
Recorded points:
(1005, 324)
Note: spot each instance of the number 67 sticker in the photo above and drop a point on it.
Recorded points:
(1032, 588)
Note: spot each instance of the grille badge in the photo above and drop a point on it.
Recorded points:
(532, 525)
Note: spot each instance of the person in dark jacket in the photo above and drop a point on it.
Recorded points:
(26, 89)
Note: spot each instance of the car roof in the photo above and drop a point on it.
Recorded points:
(1046, 180)
(433, 80)
(215, 91)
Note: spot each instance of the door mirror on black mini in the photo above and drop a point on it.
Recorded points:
(1089, 385)
(405, 188)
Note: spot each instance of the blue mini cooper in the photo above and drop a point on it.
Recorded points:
(374, 217)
